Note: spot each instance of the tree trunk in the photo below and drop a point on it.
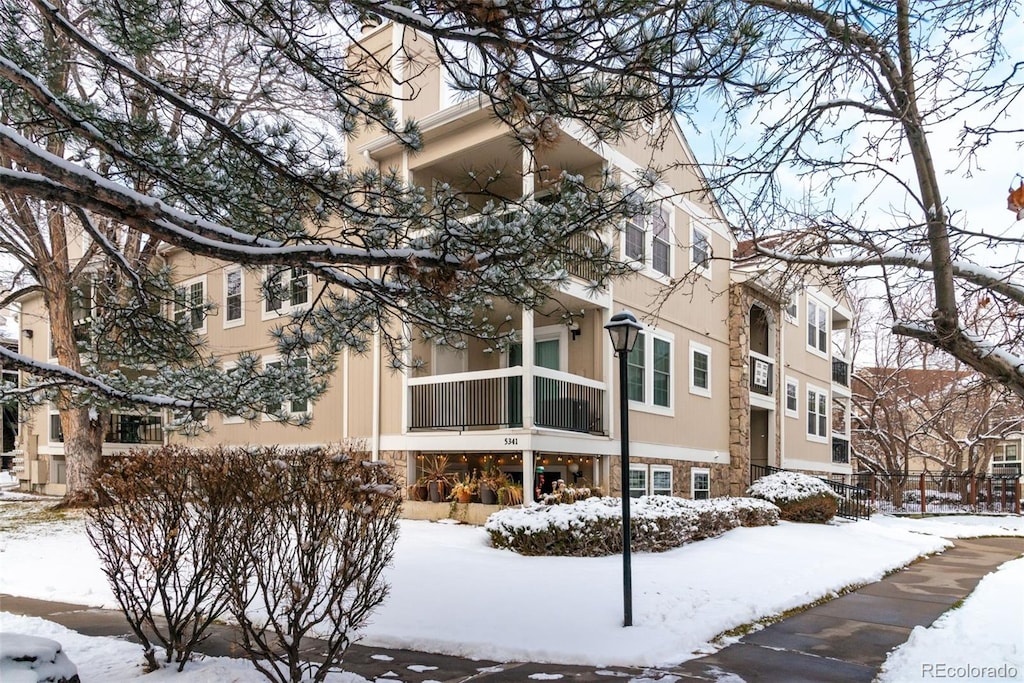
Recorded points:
(83, 446)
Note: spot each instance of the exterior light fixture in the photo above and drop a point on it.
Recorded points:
(624, 330)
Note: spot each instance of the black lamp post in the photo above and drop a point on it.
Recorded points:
(624, 329)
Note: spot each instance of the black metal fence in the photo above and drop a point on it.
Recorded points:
(854, 500)
(925, 492)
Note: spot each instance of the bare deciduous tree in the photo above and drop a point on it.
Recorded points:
(315, 531)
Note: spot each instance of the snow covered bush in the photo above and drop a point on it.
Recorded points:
(593, 527)
(800, 497)
(31, 658)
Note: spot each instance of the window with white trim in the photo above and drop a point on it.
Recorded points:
(636, 370)
(55, 432)
(1006, 452)
(700, 483)
(817, 414)
(234, 313)
(637, 481)
(231, 419)
(817, 326)
(792, 397)
(647, 240)
(661, 245)
(792, 309)
(700, 248)
(649, 370)
(295, 406)
(635, 238)
(83, 309)
(661, 480)
(190, 304)
(190, 421)
(287, 288)
(700, 369)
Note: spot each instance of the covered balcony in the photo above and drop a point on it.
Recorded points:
(494, 400)
(551, 377)
(121, 429)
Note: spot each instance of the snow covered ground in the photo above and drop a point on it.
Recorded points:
(453, 593)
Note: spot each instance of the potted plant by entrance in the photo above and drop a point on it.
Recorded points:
(510, 493)
(418, 491)
(437, 477)
(490, 483)
(464, 488)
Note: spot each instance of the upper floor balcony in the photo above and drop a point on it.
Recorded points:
(121, 429)
(494, 399)
(473, 387)
(840, 450)
(840, 372)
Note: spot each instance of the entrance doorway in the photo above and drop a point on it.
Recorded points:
(760, 429)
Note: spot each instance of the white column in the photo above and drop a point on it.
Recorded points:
(528, 467)
(375, 436)
(344, 393)
(528, 363)
(611, 391)
(407, 363)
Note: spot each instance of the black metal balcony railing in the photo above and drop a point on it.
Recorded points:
(567, 405)
(840, 450)
(461, 404)
(762, 376)
(135, 429)
(840, 372)
(583, 268)
(496, 402)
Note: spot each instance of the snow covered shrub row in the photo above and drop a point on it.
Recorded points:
(299, 536)
(800, 497)
(593, 527)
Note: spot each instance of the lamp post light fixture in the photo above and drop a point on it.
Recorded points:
(624, 329)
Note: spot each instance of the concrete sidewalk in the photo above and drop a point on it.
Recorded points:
(844, 640)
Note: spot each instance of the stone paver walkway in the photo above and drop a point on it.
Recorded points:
(844, 640)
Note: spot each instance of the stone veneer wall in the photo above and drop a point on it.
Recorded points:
(720, 475)
(739, 390)
(399, 464)
(741, 297)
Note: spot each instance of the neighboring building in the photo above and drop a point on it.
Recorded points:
(789, 345)
(1006, 455)
(726, 377)
(8, 413)
(935, 420)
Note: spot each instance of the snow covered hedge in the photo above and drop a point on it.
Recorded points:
(593, 527)
(800, 497)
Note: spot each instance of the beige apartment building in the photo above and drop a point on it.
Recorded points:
(724, 375)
